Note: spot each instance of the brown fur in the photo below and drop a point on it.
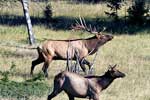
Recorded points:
(57, 50)
(83, 87)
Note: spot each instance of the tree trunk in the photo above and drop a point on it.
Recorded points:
(25, 5)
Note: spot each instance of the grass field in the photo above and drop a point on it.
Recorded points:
(131, 52)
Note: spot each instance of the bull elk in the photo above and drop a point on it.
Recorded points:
(57, 49)
(76, 85)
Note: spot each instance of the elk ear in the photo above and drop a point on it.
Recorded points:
(114, 66)
(98, 35)
(109, 67)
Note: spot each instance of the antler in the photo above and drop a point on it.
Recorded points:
(83, 25)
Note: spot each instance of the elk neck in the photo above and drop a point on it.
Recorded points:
(104, 81)
(92, 44)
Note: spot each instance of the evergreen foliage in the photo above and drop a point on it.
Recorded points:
(48, 12)
(137, 12)
(7, 2)
(114, 6)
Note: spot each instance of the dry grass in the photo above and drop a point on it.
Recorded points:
(130, 52)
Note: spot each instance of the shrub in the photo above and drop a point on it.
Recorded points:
(22, 90)
(114, 6)
(7, 2)
(48, 12)
(5, 74)
(137, 12)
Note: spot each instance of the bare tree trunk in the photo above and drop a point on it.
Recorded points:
(25, 5)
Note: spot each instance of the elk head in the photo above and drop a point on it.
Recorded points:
(104, 37)
(113, 72)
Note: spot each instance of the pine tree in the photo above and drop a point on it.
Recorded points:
(137, 12)
(114, 6)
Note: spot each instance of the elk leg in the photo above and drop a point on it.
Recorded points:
(53, 94)
(87, 63)
(91, 70)
(96, 97)
(82, 66)
(57, 89)
(36, 62)
(70, 97)
(45, 66)
(39, 60)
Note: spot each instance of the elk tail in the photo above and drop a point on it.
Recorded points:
(39, 49)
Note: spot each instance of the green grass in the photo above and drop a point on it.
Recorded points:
(130, 52)
(22, 90)
(34, 86)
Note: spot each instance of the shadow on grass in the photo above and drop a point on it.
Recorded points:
(64, 23)
(14, 20)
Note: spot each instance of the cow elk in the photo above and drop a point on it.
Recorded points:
(57, 49)
(76, 85)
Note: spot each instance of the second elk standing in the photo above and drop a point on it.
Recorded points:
(76, 85)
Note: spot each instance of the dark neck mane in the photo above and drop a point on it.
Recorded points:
(105, 80)
(92, 44)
